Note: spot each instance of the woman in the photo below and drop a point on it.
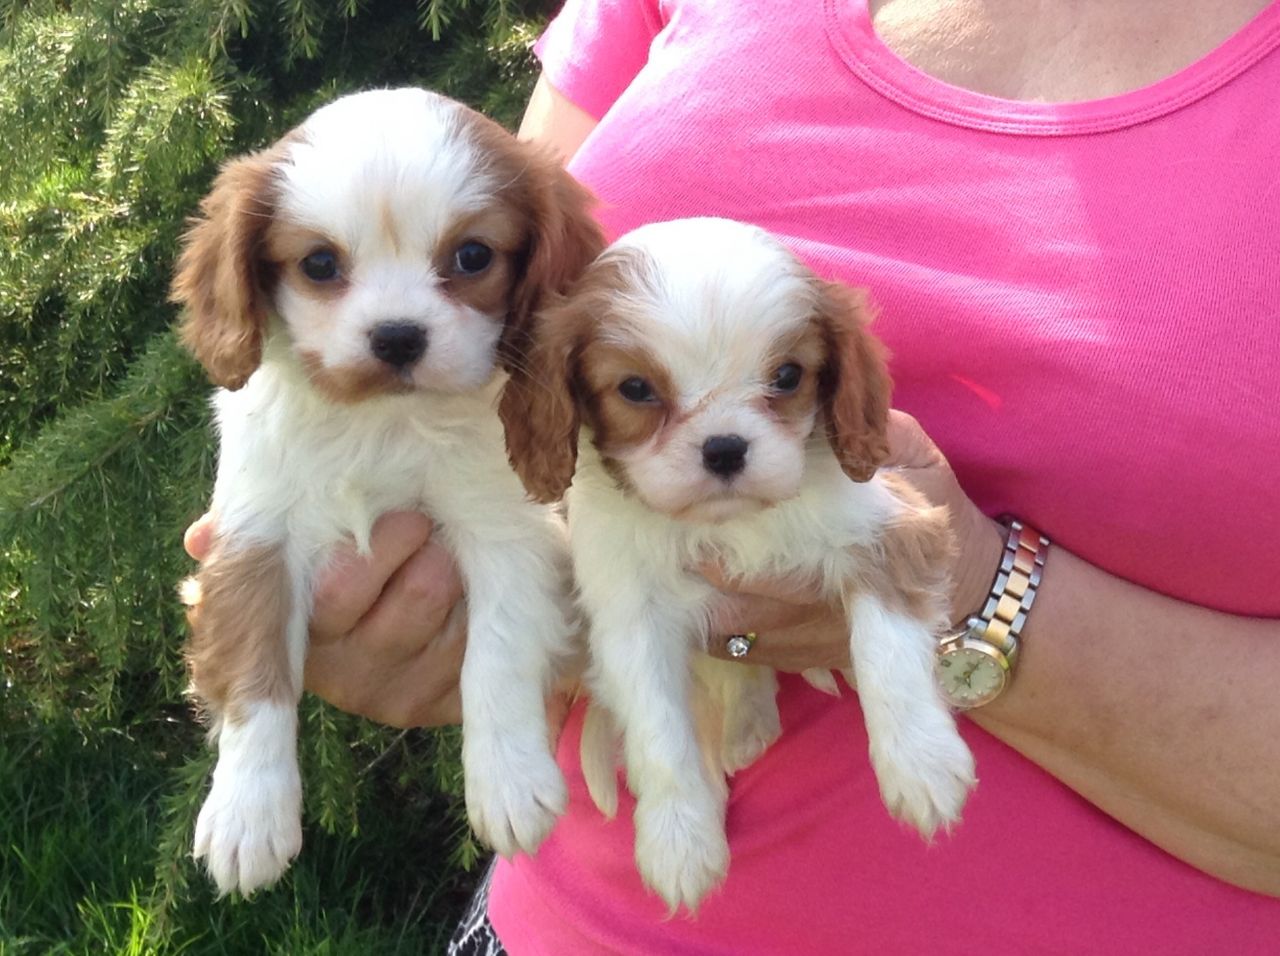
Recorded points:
(1067, 214)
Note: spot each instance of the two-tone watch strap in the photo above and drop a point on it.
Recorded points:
(1014, 589)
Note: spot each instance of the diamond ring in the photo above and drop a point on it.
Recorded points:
(738, 644)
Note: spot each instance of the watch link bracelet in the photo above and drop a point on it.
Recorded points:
(975, 664)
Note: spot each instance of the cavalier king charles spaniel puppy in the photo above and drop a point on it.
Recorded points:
(736, 409)
(354, 289)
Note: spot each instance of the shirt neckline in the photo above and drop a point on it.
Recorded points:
(851, 32)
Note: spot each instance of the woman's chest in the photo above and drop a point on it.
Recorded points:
(1055, 52)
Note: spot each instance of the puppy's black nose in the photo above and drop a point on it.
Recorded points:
(398, 343)
(724, 455)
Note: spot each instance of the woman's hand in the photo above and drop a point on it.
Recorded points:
(796, 629)
(388, 630)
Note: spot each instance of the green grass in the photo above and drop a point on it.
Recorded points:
(81, 822)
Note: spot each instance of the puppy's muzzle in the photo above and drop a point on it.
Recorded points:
(725, 455)
(398, 344)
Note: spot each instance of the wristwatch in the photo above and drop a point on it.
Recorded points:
(974, 665)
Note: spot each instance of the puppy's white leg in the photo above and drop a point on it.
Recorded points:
(248, 643)
(250, 826)
(640, 669)
(748, 705)
(923, 766)
(517, 631)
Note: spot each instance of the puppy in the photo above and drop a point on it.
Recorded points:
(736, 410)
(352, 289)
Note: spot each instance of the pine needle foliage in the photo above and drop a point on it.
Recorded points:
(116, 116)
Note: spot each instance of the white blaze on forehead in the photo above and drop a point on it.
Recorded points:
(709, 298)
(401, 153)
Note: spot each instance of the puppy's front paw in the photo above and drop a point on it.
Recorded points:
(515, 791)
(681, 850)
(250, 827)
(925, 776)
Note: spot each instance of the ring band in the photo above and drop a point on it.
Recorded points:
(739, 644)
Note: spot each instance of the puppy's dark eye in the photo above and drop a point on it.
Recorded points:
(320, 266)
(472, 257)
(786, 378)
(636, 389)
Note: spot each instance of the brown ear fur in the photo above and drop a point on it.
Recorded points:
(544, 331)
(538, 408)
(219, 277)
(855, 383)
(564, 240)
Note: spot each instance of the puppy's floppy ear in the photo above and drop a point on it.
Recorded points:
(564, 237)
(854, 383)
(219, 276)
(539, 408)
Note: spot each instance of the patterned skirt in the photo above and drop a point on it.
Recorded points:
(474, 935)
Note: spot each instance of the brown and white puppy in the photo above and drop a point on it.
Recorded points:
(735, 408)
(352, 288)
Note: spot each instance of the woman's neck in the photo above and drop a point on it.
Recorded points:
(1056, 50)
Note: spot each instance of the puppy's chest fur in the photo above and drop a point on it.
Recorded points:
(298, 466)
(848, 537)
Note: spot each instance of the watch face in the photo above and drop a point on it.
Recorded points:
(970, 676)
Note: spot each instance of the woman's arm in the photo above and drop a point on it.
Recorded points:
(1163, 714)
(553, 120)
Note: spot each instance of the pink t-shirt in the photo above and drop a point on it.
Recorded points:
(1083, 306)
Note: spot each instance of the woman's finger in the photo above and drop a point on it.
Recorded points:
(909, 446)
(199, 536)
(802, 590)
(413, 604)
(350, 583)
(740, 613)
(821, 643)
(419, 689)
